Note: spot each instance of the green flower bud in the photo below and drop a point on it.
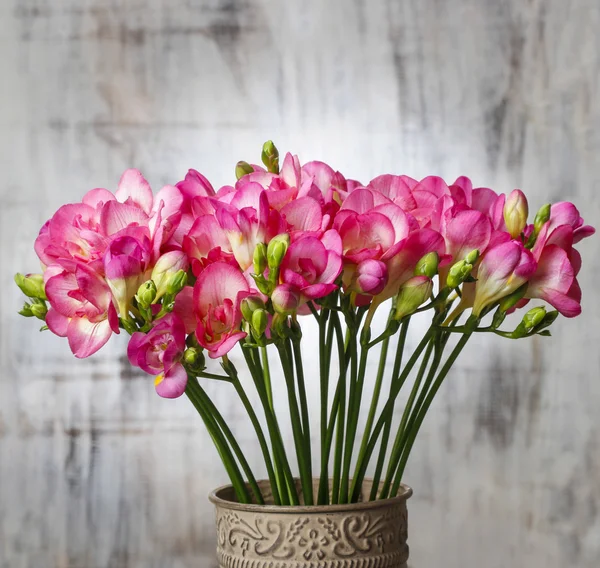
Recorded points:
(548, 320)
(270, 157)
(260, 258)
(32, 285)
(472, 257)
(458, 273)
(260, 322)
(412, 294)
(498, 318)
(194, 359)
(262, 284)
(276, 250)
(26, 310)
(428, 265)
(242, 168)
(39, 310)
(541, 217)
(146, 294)
(177, 283)
(511, 300)
(534, 317)
(249, 305)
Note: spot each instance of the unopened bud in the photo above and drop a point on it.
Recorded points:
(194, 359)
(26, 310)
(270, 157)
(511, 300)
(146, 294)
(260, 258)
(516, 211)
(249, 305)
(285, 299)
(472, 257)
(32, 285)
(458, 273)
(276, 250)
(548, 320)
(39, 309)
(177, 283)
(165, 269)
(413, 293)
(243, 168)
(260, 322)
(534, 317)
(428, 265)
(541, 217)
(371, 277)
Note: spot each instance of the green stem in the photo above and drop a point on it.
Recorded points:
(387, 413)
(388, 424)
(325, 342)
(224, 451)
(305, 476)
(282, 466)
(341, 410)
(423, 411)
(259, 433)
(222, 423)
(267, 374)
(400, 434)
(303, 404)
(375, 396)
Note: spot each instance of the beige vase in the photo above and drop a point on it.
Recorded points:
(367, 534)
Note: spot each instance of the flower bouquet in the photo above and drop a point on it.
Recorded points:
(193, 272)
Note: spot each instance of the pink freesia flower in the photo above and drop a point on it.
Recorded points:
(312, 265)
(81, 307)
(159, 352)
(217, 295)
(502, 270)
(558, 262)
(285, 299)
(127, 263)
(184, 309)
(165, 268)
(371, 277)
(246, 221)
(73, 233)
(402, 260)
(554, 281)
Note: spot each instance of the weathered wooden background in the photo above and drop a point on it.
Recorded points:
(95, 470)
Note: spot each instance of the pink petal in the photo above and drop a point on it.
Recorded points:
(57, 322)
(321, 174)
(134, 189)
(225, 345)
(85, 337)
(217, 282)
(303, 214)
(184, 308)
(466, 231)
(290, 170)
(318, 290)
(116, 216)
(173, 383)
(98, 197)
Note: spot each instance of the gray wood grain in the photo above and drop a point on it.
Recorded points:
(95, 470)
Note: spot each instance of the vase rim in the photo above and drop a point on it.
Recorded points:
(215, 498)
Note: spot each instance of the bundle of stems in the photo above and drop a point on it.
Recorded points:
(346, 452)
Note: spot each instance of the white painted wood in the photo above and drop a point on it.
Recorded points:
(95, 470)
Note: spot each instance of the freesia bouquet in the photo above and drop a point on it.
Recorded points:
(192, 271)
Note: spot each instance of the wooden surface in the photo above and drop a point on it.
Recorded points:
(95, 470)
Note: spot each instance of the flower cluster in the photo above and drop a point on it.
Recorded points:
(193, 269)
